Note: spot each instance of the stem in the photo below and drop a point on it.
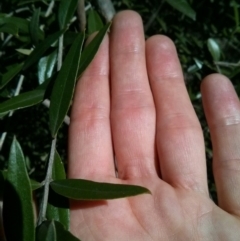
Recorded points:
(50, 8)
(48, 179)
(60, 53)
(81, 15)
(227, 64)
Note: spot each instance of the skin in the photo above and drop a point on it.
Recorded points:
(132, 103)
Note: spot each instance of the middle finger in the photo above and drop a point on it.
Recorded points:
(132, 110)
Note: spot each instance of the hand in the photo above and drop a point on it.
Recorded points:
(131, 103)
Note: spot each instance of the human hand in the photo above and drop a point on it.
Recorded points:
(132, 103)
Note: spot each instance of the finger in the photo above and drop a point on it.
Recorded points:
(179, 136)
(132, 110)
(90, 147)
(222, 108)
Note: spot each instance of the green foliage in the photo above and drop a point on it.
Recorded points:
(64, 85)
(58, 206)
(81, 189)
(17, 199)
(94, 22)
(53, 231)
(214, 49)
(10, 74)
(41, 49)
(24, 100)
(65, 12)
(90, 51)
(34, 25)
(183, 7)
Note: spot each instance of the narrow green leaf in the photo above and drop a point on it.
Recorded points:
(183, 7)
(90, 51)
(46, 67)
(198, 62)
(8, 76)
(41, 49)
(17, 202)
(46, 232)
(9, 28)
(214, 49)
(66, 11)
(64, 85)
(24, 51)
(34, 26)
(20, 23)
(94, 22)
(35, 185)
(24, 100)
(58, 206)
(54, 231)
(69, 38)
(81, 189)
(58, 171)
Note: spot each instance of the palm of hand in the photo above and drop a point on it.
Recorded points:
(167, 214)
(147, 122)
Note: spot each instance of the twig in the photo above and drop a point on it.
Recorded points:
(218, 68)
(48, 179)
(17, 91)
(107, 9)
(88, 6)
(60, 53)
(227, 64)
(81, 15)
(50, 8)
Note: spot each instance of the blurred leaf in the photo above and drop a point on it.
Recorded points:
(214, 49)
(24, 51)
(17, 202)
(8, 76)
(35, 185)
(9, 28)
(90, 51)
(192, 69)
(41, 49)
(34, 26)
(198, 62)
(19, 23)
(183, 7)
(24, 100)
(196, 67)
(46, 67)
(94, 22)
(66, 11)
(58, 206)
(64, 85)
(81, 189)
(69, 38)
(53, 231)
(2, 181)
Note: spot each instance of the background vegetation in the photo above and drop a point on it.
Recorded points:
(206, 34)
